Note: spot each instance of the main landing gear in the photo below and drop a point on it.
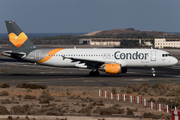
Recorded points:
(94, 73)
(153, 72)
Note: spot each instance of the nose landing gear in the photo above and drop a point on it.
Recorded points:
(153, 72)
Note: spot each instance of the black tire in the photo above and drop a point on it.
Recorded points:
(96, 73)
(91, 73)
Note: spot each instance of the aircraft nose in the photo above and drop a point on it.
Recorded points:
(175, 61)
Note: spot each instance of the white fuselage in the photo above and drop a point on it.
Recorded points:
(125, 57)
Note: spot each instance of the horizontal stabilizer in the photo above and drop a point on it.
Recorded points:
(13, 54)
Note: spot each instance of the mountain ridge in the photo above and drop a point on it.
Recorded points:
(128, 31)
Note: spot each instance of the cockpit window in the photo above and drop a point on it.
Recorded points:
(165, 55)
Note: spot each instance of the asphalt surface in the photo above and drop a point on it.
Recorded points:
(15, 72)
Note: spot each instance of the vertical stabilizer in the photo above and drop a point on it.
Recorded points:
(17, 37)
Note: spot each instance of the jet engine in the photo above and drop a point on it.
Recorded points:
(114, 68)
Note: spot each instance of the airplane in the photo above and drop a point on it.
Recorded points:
(112, 60)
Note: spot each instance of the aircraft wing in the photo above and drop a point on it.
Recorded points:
(83, 59)
(88, 62)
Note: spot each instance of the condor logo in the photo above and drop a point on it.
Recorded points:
(19, 40)
(118, 55)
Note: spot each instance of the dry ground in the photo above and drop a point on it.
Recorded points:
(71, 103)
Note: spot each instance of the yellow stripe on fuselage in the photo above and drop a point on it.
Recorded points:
(50, 55)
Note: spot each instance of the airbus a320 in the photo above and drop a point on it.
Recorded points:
(113, 61)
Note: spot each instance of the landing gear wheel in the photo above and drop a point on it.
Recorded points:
(91, 73)
(96, 73)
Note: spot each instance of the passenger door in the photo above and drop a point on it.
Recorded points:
(153, 55)
(37, 55)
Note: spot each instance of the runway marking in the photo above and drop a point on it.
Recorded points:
(39, 82)
(88, 81)
(140, 80)
(177, 68)
(50, 72)
(39, 66)
(172, 76)
(131, 72)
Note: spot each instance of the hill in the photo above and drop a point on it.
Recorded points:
(130, 31)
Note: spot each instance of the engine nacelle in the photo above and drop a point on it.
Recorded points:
(112, 68)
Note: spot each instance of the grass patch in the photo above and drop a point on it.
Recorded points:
(3, 111)
(4, 93)
(30, 97)
(31, 86)
(4, 85)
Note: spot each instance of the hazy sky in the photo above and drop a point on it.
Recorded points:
(62, 16)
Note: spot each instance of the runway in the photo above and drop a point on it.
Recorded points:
(15, 72)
